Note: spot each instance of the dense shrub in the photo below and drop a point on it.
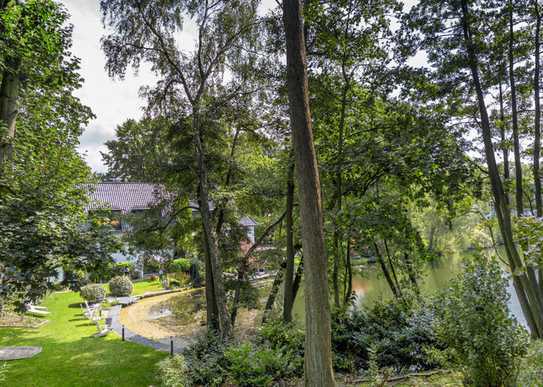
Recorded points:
(483, 340)
(180, 265)
(173, 372)
(249, 365)
(531, 369)
(398, 333)
(93, 293)
(276, 354)
(120, 286)
(205, 361)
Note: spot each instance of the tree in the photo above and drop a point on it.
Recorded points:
(143, 30)
(318, 352)
(460, 51)
(42, 195)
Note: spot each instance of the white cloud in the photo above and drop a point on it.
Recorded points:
(111, 101)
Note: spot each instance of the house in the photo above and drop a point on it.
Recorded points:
(126, 198)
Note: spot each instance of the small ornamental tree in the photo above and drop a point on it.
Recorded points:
(93, 293)
(120, 286)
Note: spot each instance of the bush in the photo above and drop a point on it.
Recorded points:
(531, 370)
(275, 355)
(484, 342)
(180, 265)
(93, 293)
(173, 372)
(398, 333)
(120, 286)
(205, 361)
(248, 365)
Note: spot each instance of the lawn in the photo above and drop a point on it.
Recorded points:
(72, 357)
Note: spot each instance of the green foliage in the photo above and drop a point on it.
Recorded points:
(172, 372)
(473, 321)
(93, 293)
(531, 368)
(398, 334)
(3, 372)
(248, 365)
(205, 359)
(180, 264)
(120, 286)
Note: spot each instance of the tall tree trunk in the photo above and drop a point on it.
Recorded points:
(514, 115)
(213, 264)
(526, 289)
(9, 94)
(503, 138)
(288, 296)
(318, 351)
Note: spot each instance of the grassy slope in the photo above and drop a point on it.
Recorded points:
(72, 357)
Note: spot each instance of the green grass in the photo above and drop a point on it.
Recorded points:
(72, 357)
(141, 287)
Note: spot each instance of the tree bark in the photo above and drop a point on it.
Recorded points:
(288, 297)
(9, 94)
(514, 118)
(526, 291)
(318, 351)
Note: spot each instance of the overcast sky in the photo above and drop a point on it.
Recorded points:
(112, 101)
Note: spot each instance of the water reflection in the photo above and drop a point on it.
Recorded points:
(370, 286)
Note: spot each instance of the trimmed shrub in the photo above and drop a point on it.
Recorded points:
(180, 265)
(93, 293)
(120, 286)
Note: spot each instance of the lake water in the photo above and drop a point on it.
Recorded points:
(370, 286)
